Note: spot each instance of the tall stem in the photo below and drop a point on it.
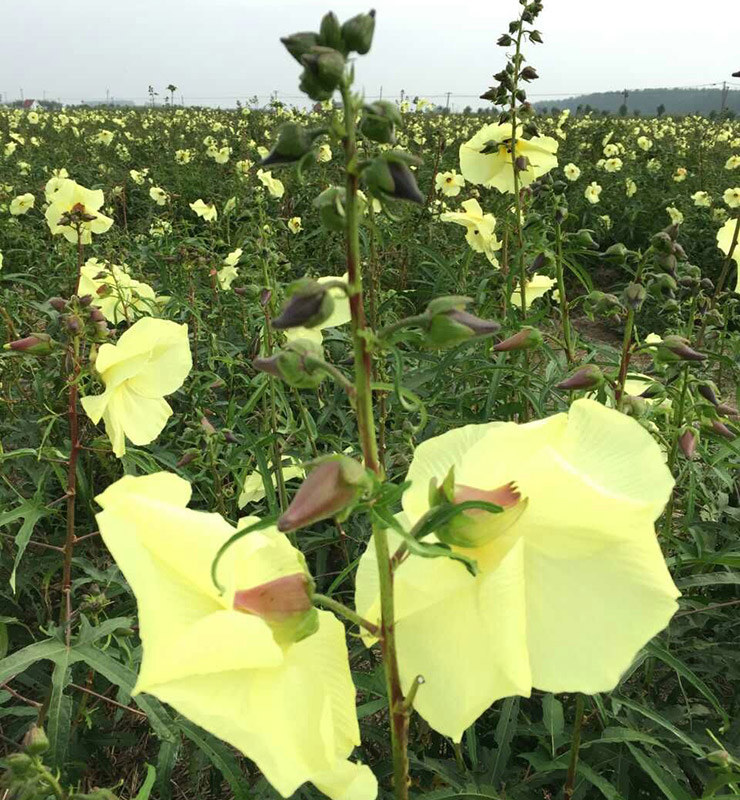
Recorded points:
(570, 780)
(627, 339)
(564, 308)
(399, 714)
(677, 423)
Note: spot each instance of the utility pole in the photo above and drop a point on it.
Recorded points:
(381, 93)
(723, 102)
(22, 98)
(107, 97)
(402, 94)
(447, 107)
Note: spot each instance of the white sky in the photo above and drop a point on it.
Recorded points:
(215, 51)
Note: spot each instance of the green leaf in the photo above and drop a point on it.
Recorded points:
(89, 634)
(21, 660)
(60, 712)
(166, 760)
(31, 512)
(220, 756)
(660, 776)
(505, 730)
(553, 720)
(662, 721)
(601, 783)
(146, 787)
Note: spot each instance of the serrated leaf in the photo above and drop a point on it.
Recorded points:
(21, 660)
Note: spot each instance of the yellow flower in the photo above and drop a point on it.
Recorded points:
(160, 197)
(644, 143)
(1, 260)
(226, 276)
(22, 204)
(725, 236)
(680, 174)
(205, 210)
(115, 292)
(243, 167)
(71, 200)
(593, 192)
(104, 137)
(138, 176)
(487, 159)
(675, 215)
(253, 488)
(295, 225)
(221, 156)
(733, 162)
(701, 199)
(287, 705)
(536, 287)
(613, 164)
(732, 197)
(324, 154)
(183, 156)
(571, 581)
(273, 185)
(481, 228)
(150, 360)
(232, 259)
(630, 187)
(449, 183)
(572, 172)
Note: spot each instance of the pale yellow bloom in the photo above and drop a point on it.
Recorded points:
(644, 143)
(341, 314)
(613, 164)
(630, 187)
(118, 295)
(725, 237)
(70, 199)
(495, 166)
(226, 276)
(675, 215)
(324, 154)
(138, 176)
(232, 259)
(295, 225)
(273, 185)
(732, 197)
(593, 192)
(253, 489)
(701, 199)
(160, 197)
(537, 286)
(449, 183)
(680, 174)
(22, 204)
(733, 162)
(480, 228)
(571, 580)
(286, 702)
(572, 172)
(205, 210)
(150, 360)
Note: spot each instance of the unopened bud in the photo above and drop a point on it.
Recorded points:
(35, 742)
(589, 376)
(676, 348)
(726, 410)
(295, 364)
(379, 120)
(187, 458)
(206, 425)
(300, 43)
(58, 304)
(634, 296)
(324, 69)
(292, 144)
(617, 251)
(707, 390)
(389, 175)
(357, 33)
(449, 324)
(688, 441)
(721, 429)
(309, 304)
(331, 490)
(662, 243)
(526, 339)
(37, 344)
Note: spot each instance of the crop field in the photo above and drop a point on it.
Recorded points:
(364, 448)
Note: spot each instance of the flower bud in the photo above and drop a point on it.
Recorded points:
(588, 376)
(331, 208)
(330, 31)
(634, 296)
(37, 344)
(35, 742)
(726, 410)
(529, 74)
(676, 348)
(662, 242)
(20, 765)
(379, 120)
(295, 364)
(324, 69)
(284, 604)
(708, 391)
(293, 143)
(309, 304)
(617, 251)
(688, 441)
(58, 304)
(721, 429)
(449, 324)
(389, 175)
(331, 490)
(357, 33)
(526, 339)
(300, 43)
(584, 239)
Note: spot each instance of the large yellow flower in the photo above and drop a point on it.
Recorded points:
(68, 199)
(537, 286)
(289, 706)
(480, 227)
(151, 360)
(487, 158)
(571, 581)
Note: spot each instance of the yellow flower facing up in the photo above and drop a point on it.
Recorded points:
(572, 172)
(449, 183)
(223, 659)
(537, 286)
(324, 154)
(22, 204)
(593, 192)
(118, 295)
(630, 187)
(480, 228)
(675, 215)
(226, 276)
(733, 162)
(274, 186)
(253, 488)
(72, 206)
(725, 236)
(732, 197)
(158, 194)
(206, 211)
(150, 360)
(571, 581)
(232, 259)
(702, 199)
(295, 225)
(487, 159)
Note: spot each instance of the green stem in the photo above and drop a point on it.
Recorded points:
(564, 308)
(50, 780)
(677, 423)
(345, 611)
(575, 747)
(627, 339)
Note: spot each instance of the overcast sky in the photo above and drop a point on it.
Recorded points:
(216, 51)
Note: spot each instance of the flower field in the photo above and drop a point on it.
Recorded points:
(361, 449)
